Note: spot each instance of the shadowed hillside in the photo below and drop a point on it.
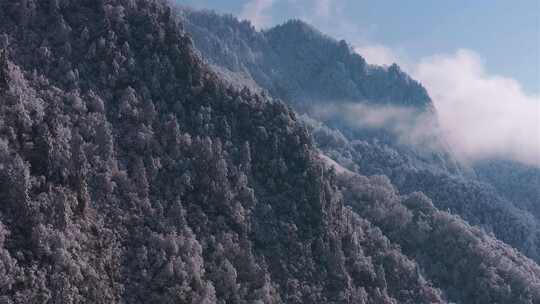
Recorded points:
(130, 172)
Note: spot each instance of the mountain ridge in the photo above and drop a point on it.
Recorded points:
(266, 48)
(132, 173)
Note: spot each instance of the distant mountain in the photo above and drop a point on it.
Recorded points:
(297, 63)
(132, 172)
(309, 70)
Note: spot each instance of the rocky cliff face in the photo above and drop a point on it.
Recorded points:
(131, 173)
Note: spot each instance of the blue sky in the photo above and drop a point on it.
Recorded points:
(505, 34)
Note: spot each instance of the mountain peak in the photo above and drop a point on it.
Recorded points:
(295, 26)
(297, 63)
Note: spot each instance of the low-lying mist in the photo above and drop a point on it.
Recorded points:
(409, 126)
(482, 116)
(440, 129)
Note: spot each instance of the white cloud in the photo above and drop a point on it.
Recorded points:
(410, 126)
(257, 11)
(323, 8)
(483, 116)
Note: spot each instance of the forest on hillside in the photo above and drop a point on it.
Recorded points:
(131, 171)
